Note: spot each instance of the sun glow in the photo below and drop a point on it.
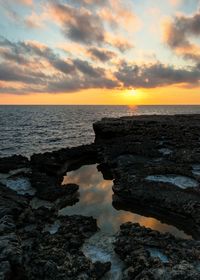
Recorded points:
(133, 96)
(133, 92)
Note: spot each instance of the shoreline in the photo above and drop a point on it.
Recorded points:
(128, 150)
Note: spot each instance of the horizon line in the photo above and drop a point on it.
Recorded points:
(129, 105)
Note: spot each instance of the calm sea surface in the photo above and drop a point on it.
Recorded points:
(34, 129)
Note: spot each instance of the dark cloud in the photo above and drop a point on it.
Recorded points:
(80, 82)
(68, 75)
(179, 36)
(18, 51)
(156, 75)
(102, 55)
(56, 83)
(39, 69)
(10, 56)
(63, 66)
(87, 69)
(18, 74)
(22, 52)
(86, 77)
(80, 24)
(182, 28)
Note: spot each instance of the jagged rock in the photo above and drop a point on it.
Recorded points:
(148, 253)
(49, 187)
(58, 162)
(14, 162)
(135, 148)
(99, 269)
(5, 271)
(29, 250)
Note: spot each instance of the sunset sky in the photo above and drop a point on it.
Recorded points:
(100, 52)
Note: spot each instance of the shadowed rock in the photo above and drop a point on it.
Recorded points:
(149, 254)
(14, 162)
(168, 182)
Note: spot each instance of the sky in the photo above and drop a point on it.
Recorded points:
(113, 52)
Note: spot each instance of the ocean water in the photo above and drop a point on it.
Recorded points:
(35, 129)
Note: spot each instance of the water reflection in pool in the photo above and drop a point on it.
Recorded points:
(96, 200)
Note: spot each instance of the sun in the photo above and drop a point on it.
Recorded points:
(133, 92)
(133, 96)
(130, 93)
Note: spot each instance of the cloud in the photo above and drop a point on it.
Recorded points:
(87, 69)
(26, 2)
(42, 70)
(120, 43)
(18, 74)
(175, 2)
(179, 34)
(156, 75)
(78, 82)
(120, 16)
(79, 24)
(10, 56)
(90, 2)
(11, 9)
(35, 20)
(25, 52)
(34, 67)
(101, 54)
(89, 22)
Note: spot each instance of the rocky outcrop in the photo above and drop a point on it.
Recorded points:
(155, 161)
(48, 170)
(58, 255)
(36, 243)
(149, 254)
(58, 162)
(12, 163)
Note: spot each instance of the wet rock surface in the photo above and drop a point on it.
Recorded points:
(144, 174)
(149, 254)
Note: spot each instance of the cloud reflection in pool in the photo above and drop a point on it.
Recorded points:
(96, 200)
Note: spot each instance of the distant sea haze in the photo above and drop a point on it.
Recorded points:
(36, 129)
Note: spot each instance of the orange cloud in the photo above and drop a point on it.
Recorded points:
(175, 2)
(118, 42)
(35, 20)
(120, 15)
(27, 2)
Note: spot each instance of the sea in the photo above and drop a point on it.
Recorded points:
(36, 129)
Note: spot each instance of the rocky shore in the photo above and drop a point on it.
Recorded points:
(155, 164)
(155, 161)
(35, 242)
(149, 254)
